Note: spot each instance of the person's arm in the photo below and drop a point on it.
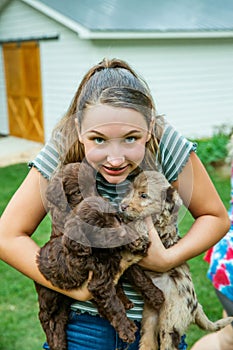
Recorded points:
(18, 222)
(210, 225)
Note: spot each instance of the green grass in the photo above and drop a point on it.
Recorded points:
(199, 267)
(19, 324)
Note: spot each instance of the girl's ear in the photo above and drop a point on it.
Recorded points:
(78, 130)
(151, 127)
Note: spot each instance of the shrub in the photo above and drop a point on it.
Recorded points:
(213, 151)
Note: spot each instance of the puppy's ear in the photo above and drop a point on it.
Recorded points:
(63, 184)
(172, 197)
(74, 234)
(79, 179)
(71, 184)
(69, 174)
(169, 194)
(87, 180)
(165, 187)
(55, 193)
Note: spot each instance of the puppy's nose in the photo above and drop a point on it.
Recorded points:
(124, 207)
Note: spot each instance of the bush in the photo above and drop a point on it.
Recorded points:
(213, 151)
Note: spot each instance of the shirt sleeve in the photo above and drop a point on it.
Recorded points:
(47, 160)
(174, 152)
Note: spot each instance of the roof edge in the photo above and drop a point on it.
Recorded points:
(48, 11)
(157, 34)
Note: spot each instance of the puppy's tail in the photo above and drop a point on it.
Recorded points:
(203, 322)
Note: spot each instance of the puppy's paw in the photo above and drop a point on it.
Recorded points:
(128, 333)
(156, 301)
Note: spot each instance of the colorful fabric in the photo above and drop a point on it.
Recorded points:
(183, 345)
(220, 258)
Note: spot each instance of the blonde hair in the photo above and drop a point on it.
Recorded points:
(115, 83)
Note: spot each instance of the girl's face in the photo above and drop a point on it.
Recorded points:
(114, 140)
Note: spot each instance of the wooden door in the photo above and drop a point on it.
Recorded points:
(23, 84)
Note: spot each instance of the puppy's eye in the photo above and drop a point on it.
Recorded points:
(144, 195)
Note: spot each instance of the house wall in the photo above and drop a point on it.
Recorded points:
(191, 80)
(63, 61)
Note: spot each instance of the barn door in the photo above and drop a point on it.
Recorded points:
(23, 84)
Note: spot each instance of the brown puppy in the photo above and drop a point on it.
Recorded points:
(88, 235)
(151, 194)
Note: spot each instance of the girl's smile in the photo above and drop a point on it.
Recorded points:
(114, 171)
(114, 140)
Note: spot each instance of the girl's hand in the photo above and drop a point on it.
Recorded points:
(158, 257)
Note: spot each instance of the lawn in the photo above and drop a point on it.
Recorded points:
(20, 328)
(19, 324)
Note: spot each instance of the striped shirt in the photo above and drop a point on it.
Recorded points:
(174, 152)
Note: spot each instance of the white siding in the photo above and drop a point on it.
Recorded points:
(191, 80)
(63, 63)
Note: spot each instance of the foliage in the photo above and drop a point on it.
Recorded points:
(18, 301)
(213, 151)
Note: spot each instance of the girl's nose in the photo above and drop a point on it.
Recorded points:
(115, 161)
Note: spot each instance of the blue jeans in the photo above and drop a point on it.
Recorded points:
(87, 332)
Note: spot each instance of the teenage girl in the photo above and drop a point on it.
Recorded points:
(113, 125)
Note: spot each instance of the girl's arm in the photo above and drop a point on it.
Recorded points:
(19, 220)
(210, 225)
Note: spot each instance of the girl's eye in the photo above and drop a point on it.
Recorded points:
(130, 139)
(98, 140)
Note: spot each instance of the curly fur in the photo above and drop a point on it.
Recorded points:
(80, 220)
(151, 194)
